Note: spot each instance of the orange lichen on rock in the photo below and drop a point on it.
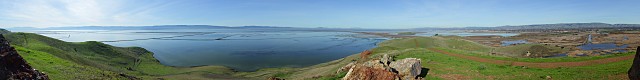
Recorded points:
(365, 54)
(368, 73)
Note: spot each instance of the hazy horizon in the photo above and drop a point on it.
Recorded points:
(378, 14)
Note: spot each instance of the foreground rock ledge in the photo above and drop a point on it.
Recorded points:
(383, 69)
(14, 67)
(634, 71)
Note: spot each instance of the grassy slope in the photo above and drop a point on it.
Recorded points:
(61, 69)
(457, 43)
(324, 71)
(93, 59)
(431, 42)
(558, 59)
(448, 67)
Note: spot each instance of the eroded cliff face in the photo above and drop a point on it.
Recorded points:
(14, 67)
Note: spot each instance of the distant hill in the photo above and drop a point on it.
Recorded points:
(4, 31)
(544, 26)
(568, 26)
(159, 27)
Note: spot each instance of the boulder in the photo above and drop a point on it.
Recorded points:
(405, 69)
(408, 68)
(368, 73)
(14, 67)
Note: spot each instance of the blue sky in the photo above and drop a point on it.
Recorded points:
(314, 13)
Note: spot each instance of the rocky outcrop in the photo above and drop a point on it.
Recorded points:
(369, 73)
(346, 68)
(274, 78)
(14, 67)
(384, 69)
(634, 72)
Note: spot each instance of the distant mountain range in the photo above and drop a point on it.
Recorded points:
(546, 26)
(519, 27)
(569, 26)
(143, 27)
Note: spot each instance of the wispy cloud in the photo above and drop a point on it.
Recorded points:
(49, 13)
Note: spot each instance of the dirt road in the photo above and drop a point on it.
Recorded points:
(537, 65)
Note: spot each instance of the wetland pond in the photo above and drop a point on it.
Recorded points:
(603, 46)
(512, 42)
(239, 49)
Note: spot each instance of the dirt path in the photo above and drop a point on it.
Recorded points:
(537, 65)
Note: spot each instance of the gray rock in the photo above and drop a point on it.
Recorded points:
(407, 68)
(386, 59)
(376, 64)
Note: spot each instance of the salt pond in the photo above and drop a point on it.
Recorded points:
(514, 42)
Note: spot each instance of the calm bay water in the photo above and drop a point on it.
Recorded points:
(242, 50)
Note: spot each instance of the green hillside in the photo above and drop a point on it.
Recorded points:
(94, 60)
(457, 43)
(444, 67)
(448, 67)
